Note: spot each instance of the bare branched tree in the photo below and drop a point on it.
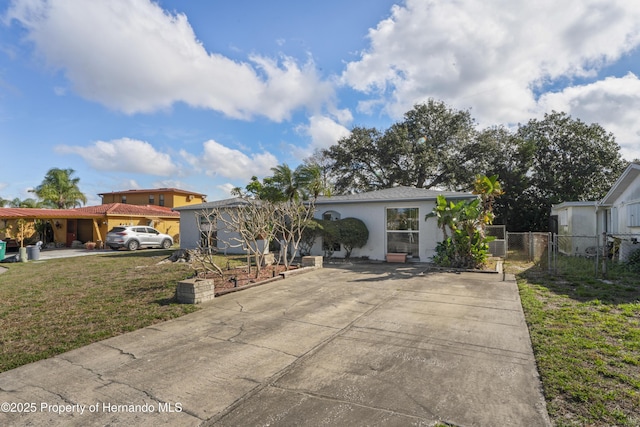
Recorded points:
(291, 219)
(248, 224)
(251, 224)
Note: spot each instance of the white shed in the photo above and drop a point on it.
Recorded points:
(577, 227)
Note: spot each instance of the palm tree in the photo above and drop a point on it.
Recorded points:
(59, 189)
(309, 177)
(305, 182)
(25, 203)
(488, 188)
(286, 181)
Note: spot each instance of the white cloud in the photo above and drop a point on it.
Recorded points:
(129, 184)
(226, 189)
(133, 56)
(491, 56)
(171, 183)
(219, 160)
(124, 155)
(325, 132)
(612, 103)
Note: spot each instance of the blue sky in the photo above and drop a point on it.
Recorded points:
(203, 95)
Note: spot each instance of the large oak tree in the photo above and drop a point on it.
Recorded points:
(571, 161)
(542, 162)
(427, 149)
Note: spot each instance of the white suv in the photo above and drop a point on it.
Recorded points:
(133, 237)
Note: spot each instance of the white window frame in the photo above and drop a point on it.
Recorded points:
(413, 230)
(633, 214)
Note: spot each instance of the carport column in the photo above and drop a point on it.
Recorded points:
(96, 230)
(22, 253)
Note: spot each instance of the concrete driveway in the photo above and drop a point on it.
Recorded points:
(372, 344)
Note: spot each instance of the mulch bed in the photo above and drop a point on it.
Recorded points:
(242, 277)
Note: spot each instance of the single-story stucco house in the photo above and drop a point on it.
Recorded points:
(616, 216)
(395, 218)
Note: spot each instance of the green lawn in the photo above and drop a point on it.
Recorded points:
(586, 339)
(49, 307)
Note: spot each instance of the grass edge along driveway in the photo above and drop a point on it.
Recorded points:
(586, 339)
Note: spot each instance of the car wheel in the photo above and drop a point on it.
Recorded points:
(133, 245)
(166, 244)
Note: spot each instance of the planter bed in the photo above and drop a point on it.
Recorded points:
(240, 278)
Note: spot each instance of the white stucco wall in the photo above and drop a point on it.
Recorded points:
(228, 241)
(630, 197)
(576, 226)
(623, 207)
(189, 232)
(373, 214)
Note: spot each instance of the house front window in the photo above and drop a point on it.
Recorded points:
(152, 199)
(161, 200)
(633, 215)
(208, 230)
(403, 231)
(331, 216)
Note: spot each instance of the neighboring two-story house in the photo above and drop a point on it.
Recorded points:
(167, 197)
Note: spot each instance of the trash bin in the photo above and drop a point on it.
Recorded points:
(3, 249)
(33, 253)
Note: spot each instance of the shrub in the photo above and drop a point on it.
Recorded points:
(309, 234)
(352, 233)
(330, 236)
(467, 247)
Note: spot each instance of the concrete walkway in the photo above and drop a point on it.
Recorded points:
(374, 345)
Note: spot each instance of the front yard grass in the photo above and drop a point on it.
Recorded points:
(49, 307)
(586, 339)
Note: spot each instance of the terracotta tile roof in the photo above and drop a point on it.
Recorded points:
(112, 209)
(41, 213)
(120, 209)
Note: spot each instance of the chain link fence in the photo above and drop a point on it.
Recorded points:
(600, 256)
(624, 248)
(498, 246)
(529, 246)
